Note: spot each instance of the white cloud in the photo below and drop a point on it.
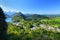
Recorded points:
(6, 9)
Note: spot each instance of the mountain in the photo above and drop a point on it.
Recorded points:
(19, 15)
(8, 15)
(36, 17)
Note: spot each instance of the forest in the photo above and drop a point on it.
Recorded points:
(33, 27)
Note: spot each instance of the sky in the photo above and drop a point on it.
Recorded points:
(31, 6)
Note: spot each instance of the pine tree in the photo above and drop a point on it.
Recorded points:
(3, 26)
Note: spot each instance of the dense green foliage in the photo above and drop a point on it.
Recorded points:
(28, 28)
(31, 27)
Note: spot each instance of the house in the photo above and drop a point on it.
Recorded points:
(58, 29)
(16, 23)
(50, 28)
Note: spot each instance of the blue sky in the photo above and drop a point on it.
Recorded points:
(32, 6)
